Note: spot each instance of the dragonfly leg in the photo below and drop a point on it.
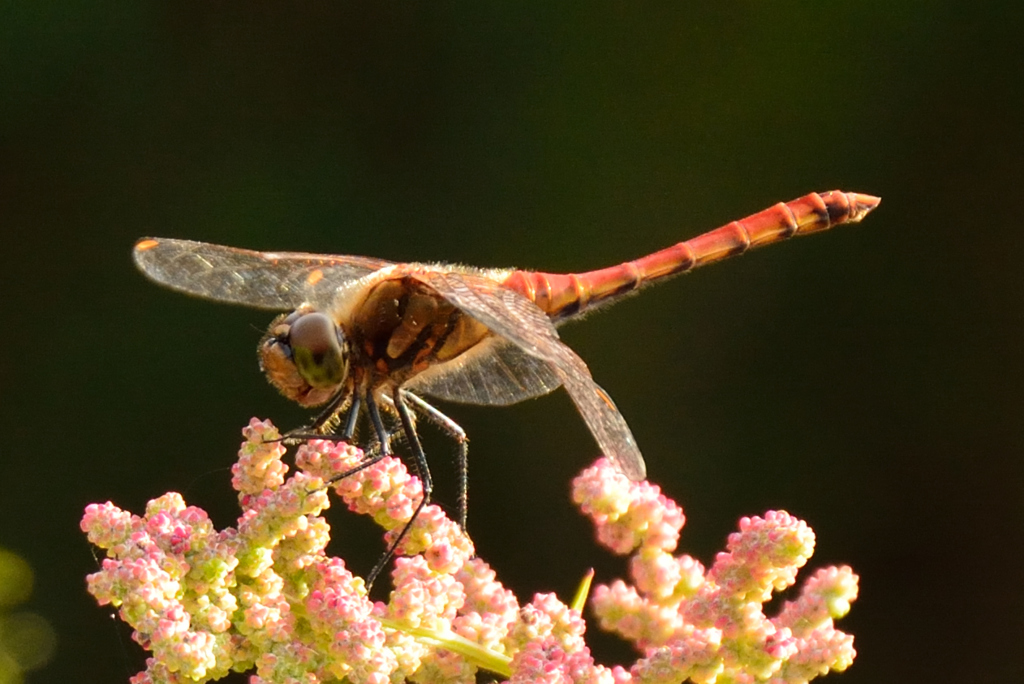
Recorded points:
(382, 435)
(420, 460)
(320, 427)
(459, 435)
(353, 417)
(409, 427)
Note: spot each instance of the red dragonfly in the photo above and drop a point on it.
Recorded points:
(370, 336)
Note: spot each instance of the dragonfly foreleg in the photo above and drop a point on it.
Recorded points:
(382, 436)
(381, 432)
(322, 425)
(353, 418)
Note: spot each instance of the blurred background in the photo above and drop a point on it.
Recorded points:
(868, 380)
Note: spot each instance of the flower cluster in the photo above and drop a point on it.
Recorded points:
(265, 597)
(709, 626)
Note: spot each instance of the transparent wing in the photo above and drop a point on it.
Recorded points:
(495, 373)
(510, 315)
(264, 280)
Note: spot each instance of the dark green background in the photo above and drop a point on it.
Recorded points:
(868, 380)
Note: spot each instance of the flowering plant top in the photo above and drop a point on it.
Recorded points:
(264, 596)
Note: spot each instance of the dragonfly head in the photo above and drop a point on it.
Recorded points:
(305, 356)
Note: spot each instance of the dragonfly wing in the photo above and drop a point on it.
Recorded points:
(513, 317)
(495, 373)
(264, 280)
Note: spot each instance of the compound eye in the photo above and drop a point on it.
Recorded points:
(318, 350)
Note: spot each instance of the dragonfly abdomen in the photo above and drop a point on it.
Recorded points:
(564, 295)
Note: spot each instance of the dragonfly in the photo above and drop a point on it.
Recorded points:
(364, 336)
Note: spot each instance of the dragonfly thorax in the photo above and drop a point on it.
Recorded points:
(402, 327)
